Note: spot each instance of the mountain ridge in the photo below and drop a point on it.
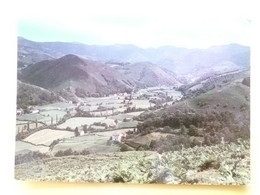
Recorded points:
(176, 59)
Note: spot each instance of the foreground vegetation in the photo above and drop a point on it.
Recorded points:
(219, 164)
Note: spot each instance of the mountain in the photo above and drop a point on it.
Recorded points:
(181, 61)
(214, 59)
(146, 74)
(76, 75)
(30, 52)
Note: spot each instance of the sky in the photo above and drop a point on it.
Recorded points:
(154, 23)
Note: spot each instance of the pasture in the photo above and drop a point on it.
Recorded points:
(94, 142)
(47, 136)
(24, 147)
(56, 106)
(79, 121)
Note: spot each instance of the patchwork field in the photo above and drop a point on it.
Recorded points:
(47, 136)
(53, 113)
(130, 124)
(30, 117)
(129, 115)
(24, 147)
(94, 143)
(155, 91)
(141, 104)
(78, 121)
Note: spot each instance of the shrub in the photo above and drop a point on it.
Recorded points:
(68, 129)
(68, 152)
(59, 153)
(30, 156)
(209, 164)
(193, 131)
(84, 152)
(54, 143)
(124, 148)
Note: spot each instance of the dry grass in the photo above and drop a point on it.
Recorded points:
(47, 136)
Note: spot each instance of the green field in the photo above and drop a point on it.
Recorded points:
(23, 147)
(30, 117)
(56, 106)
(121, 117)
(79, 121)
(47, 136)
(130, 124)
(92, 143)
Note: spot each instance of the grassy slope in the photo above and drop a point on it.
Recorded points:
(229, 98)
(218, 164)
(33, 95)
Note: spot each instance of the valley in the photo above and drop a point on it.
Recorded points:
(114, 119)
(93, 117)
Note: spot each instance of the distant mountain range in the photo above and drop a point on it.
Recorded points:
(178, 60)
(147, 74)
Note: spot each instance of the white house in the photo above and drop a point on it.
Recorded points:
(117, 137)
(19, 112)
(81, 133)
(35, 111)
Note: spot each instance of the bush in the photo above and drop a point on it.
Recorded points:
(59, 153)
(84, 152)
(124, 148)
(70, 152)
(54, 143)
(193, 131)
(30, 156)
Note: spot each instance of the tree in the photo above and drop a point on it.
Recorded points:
(85, 128)
(76, 131)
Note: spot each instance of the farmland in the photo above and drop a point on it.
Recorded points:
(78, 121)
(94, 143)
(150, 121)
(25, 147)
(47, 136)
(107, 114)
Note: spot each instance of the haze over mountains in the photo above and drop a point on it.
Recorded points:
(179, 60)
(79, 70)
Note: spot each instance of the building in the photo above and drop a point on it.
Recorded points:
(19, 112)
